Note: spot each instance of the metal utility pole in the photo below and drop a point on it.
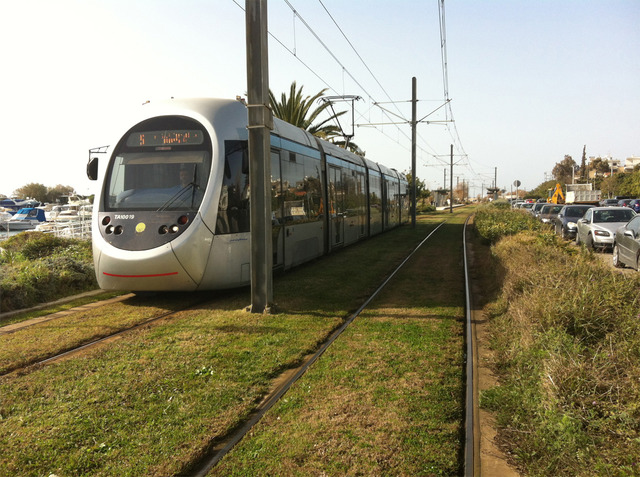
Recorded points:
(259, 125)
(451, 182)
(414, 100)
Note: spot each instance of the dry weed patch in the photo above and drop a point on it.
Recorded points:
(566, 335)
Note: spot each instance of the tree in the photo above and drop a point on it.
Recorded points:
(32, 191)
(42, 193)
(297, 110)
(563, 171)
(422, 192)
(54, 193)
(600, 166)
(542, 191)
(583, 166)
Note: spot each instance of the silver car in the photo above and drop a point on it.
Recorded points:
(626, 248)
(598, 227)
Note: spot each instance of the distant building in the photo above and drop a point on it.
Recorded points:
(630, 163)
(614, 167)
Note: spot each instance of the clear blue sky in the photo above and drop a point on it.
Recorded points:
(529, 81)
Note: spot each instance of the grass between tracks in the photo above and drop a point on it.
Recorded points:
(153, 401)
(387, 397)
(31, 344)
(55, 307)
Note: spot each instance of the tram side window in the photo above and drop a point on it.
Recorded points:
(355, 199)
(301, 189)
(375, 198)
(233, 207)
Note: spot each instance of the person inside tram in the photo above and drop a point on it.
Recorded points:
(188, 193)
(186, 176)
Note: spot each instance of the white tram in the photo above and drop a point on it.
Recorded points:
(173, 209)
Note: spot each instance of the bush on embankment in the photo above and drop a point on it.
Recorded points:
(497, 220)
(36, 267)
(566, 336)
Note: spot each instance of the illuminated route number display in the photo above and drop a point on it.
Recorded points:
(182, 137)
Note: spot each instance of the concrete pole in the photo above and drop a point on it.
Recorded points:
(414, 89)
(260, 124)
(451, 182)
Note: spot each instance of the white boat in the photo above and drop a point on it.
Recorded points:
(4, 217)
(25, 219)
(63, 213)
(70, 212)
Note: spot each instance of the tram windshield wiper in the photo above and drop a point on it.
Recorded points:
(180, 196)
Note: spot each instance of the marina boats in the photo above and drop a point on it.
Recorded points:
(13, 205)
(4, 217)
(25, 219)
(65, 214)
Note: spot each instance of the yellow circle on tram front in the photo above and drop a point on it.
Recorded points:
(140, 227)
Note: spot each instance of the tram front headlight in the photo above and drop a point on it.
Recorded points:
(174, 229)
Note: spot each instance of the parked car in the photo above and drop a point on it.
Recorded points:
(526, 206)
(608, 202)
(535, 210)
(567, 219)
(635, 205)
(549, 212)
(626, 247)
(598, 226)
(624, 202)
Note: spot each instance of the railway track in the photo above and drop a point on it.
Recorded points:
(37, 359)
(221, 446)
(471, 444)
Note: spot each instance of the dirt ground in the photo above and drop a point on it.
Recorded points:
(493, 461)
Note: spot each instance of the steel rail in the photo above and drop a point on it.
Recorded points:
(472, 442)
(222, 448)
(97, 341)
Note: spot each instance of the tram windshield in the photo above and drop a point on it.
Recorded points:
(158, 180)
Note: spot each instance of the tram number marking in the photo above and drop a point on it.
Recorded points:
(125, 216)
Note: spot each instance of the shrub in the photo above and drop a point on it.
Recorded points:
(37, 267)
(495, 221)
(567, 339)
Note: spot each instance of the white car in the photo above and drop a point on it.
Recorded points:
(597, 229)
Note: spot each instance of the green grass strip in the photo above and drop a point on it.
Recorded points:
(387, 397)
(151, 402)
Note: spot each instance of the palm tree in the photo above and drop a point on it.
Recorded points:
(297, 110)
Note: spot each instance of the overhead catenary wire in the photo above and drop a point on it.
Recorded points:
(424, 147)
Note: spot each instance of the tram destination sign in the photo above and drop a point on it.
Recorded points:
(177, 137)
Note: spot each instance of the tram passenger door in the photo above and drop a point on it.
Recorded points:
(336, 209)
(277, 224)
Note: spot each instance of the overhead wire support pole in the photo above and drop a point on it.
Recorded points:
(414, 188)
(451, 182)
(260, 123)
